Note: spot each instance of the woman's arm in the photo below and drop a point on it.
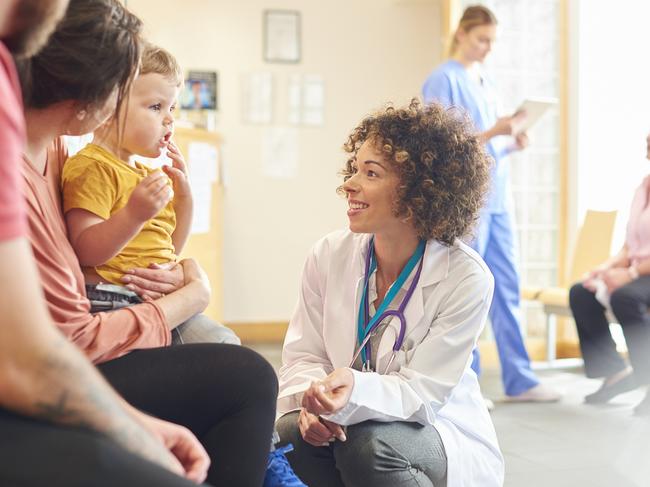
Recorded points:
(620, 260)
(503, 126)
(155, 281)
(617, 276)
(105, 336)
(189, 300)
(43, 375)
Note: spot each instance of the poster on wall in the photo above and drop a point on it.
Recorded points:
(282, 36)
(306, 99)
(280, 153)
(200, 91)
(257, 102)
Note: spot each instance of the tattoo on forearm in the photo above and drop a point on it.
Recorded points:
(75, 395)
(78, 398)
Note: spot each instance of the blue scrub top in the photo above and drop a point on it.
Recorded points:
(451, 85)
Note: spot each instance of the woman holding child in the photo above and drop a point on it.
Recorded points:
(71, 87)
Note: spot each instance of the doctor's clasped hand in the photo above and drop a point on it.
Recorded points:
(322, 398)
(330, 395)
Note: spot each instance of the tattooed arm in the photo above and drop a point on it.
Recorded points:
(44, 376)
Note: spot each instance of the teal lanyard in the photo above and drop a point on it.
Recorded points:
(365, 328)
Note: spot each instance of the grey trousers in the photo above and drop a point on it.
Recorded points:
(375, 454)
(201, 329)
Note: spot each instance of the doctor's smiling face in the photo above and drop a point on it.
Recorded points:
(371, 191)
(417, 168)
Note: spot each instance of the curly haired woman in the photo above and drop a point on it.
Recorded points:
(376, 386)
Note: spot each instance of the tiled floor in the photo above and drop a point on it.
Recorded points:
(567, 444)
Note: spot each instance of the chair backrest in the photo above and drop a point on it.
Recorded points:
(593, 243)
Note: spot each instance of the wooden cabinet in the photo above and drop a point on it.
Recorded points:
(206, 248)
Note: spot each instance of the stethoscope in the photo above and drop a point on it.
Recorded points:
(367, 326)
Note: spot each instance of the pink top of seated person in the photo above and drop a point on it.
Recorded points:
(12, 208)
(637, 238)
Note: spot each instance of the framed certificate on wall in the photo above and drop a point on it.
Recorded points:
(282, 36)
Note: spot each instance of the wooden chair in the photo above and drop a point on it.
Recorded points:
(592, 247)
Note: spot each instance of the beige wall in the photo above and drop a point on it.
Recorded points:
(367, 51)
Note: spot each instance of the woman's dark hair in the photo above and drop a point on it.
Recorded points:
(95, 49)
(442, 166)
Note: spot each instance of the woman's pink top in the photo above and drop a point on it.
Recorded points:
(102, 336)
(638, 226)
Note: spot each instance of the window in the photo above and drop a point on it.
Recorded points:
(525, 63)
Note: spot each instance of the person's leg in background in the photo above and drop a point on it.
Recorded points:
(598, 347)
(505, 312)
(224, 394)
(519, 381)
(201, 329)
(630, 306)
(34, 453)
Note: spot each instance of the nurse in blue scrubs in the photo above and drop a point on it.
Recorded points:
(459, 82)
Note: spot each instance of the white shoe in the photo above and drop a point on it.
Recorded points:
(489, 404)
(539, 393)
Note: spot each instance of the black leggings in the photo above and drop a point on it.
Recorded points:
(630, 306)
(225, 394)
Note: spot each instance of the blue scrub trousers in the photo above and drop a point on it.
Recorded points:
(495, 242)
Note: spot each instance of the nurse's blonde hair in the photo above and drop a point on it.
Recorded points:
(473, 16)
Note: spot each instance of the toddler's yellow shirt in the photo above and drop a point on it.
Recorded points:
(97, 181)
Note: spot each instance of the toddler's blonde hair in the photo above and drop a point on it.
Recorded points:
(160, 61)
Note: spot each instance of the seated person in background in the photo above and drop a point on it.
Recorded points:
(122, 214)
(624, 280)
(401, 282)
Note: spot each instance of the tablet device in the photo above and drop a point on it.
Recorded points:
(535, 108)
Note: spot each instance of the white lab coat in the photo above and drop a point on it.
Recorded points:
(430, 381)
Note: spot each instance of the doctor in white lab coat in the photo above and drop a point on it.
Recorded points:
(414, 184)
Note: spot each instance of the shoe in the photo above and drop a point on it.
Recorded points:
(489, 404)
(608, 392)
(278, 470)
(538, 393)
(643, 408)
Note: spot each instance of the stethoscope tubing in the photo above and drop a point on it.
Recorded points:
(399, 312)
